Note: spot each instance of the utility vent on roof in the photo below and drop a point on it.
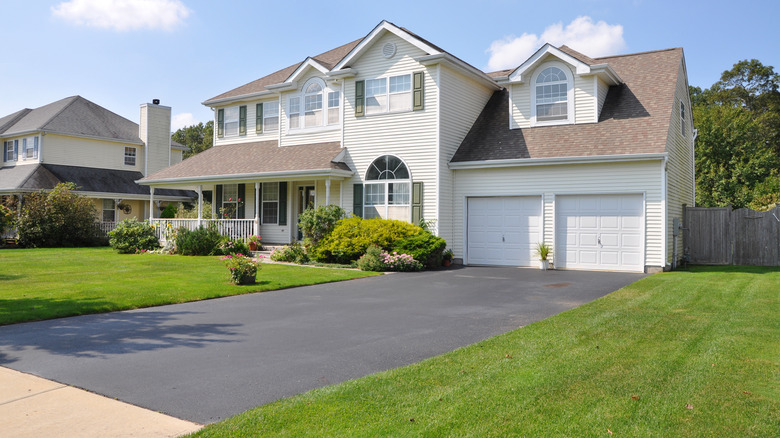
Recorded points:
(388, 50)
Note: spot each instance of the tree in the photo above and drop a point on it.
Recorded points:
(197, 137)
(58, 218)
(738, 146)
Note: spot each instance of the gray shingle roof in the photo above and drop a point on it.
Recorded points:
(634, 119)
(254, 158)
(76, 116)
(36, 177)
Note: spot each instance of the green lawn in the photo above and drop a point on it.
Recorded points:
(40, 284)
(675, 354)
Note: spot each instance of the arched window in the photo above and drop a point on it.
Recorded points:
(387, 189)
(551, 94)
(306, 110)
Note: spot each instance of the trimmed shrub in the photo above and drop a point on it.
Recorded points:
(351, 237)
(424, 247)
(315, 224)
(371, 260)
(294, 253)
(229, 246)
(129, 236)
(199, 242)
(169, 212)
(59, 218)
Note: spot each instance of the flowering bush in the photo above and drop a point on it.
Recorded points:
(131, 236)
(377, 260)
(243, 269)
(294, 253)
(400, 262)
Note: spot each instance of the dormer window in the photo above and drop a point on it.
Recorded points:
(552, 87)
(306, 110)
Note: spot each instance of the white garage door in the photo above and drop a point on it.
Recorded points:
(600, 232)
(503, 230)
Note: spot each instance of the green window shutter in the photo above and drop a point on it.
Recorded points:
(242, 120)
(418, 96)
(241, 213)
(283, 203)
(417, 196)
(220, 123)
(259, 118)
(360, 98)
(357, 200)
(218, 200)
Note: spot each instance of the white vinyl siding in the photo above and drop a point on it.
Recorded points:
(679, 169)
(409, 135)
(560, 180)
(584, 99)
(462, 100)
(270, 130)
(72, 151)
(521, 106)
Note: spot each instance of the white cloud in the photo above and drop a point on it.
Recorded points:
(582, 34)
(123, 15)
(179, 121)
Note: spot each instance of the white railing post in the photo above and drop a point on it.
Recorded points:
(327, 191)
(151, 203)
(258, 197)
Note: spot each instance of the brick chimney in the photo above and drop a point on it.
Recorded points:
(155, 132)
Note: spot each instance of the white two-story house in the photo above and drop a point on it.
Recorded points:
(592, 156)
(75, 140)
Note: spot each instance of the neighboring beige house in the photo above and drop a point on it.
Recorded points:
(592, 156)
(75, 140)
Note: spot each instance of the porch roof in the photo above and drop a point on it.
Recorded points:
(254, 161)
(90, 180)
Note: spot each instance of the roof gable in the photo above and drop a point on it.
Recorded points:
(634, 119)
(78, 117)
(380, 30)
(581, 64)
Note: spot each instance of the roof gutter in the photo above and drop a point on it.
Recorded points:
(212, 102)
(248, 177)
(524, 162)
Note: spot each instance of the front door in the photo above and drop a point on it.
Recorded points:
(306, 198)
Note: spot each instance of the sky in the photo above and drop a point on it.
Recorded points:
(122, 53)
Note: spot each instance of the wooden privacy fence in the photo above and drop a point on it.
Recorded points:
(722, 236)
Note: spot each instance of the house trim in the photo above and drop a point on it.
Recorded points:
(521, 162)
(269, 176)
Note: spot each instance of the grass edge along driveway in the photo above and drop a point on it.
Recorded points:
(675, 354)
(38, 284)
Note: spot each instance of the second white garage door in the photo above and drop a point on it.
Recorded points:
(503, 230)
(600, 232)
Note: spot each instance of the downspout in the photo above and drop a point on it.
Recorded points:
(665, 219)
(693, 163)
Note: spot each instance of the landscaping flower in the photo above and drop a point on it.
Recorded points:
(243, 269)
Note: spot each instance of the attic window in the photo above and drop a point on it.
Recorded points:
(551, 95)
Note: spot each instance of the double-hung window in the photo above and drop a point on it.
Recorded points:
(10, 150)
(294, 112)
(30, 148)
(270, 203)
(231, 121)
(109, 210)
(334, 103)
(312, 105)
(270, 116)
(130, 154)
(389, 94)
(386, 191)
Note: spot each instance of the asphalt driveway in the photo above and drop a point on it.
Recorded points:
(208, 360)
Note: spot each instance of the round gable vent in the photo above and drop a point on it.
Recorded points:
(388, 50)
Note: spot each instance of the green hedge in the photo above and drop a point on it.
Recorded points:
(131, 235)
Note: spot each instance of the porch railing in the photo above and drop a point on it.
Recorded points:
(233, 228)
(105, 227)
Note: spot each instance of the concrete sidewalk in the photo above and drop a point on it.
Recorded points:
(34, 407)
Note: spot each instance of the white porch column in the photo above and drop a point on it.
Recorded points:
(151, 203)
(327, 191)
(200, 205)
(258, 197)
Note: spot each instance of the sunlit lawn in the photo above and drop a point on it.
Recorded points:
(40, 284)
(682, 354)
